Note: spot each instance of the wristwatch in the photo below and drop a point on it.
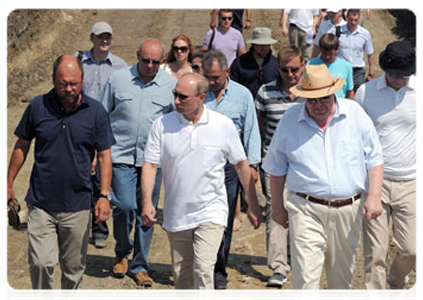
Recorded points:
(107, 196)
(255, 167)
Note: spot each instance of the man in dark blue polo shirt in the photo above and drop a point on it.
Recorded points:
(68, 127)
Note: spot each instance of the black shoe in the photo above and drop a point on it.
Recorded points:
(220, 282)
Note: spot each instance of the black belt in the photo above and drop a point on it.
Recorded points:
(357, 69)
(334, 203)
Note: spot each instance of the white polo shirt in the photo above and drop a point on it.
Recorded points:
(394, 116)
(192, 158)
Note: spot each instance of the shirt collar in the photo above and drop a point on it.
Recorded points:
(203, 120)
(54, 100)
(89, 56)
(212, 96)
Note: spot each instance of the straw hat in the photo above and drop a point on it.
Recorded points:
(317, 83)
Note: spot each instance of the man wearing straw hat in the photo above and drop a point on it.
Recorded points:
(328, 153)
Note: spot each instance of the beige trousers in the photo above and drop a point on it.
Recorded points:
(57, 237)
(276, 237)
(399, 205)
(297, 37)
(323, 237)
(194, 254)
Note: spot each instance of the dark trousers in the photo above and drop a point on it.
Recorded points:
(359, 75)
(98, 230)
(232, 189)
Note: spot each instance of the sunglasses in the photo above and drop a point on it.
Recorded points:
(227, 18)
(195, 68)
(148, 61)
(322, 100)
(292, 69)
(398, 76)
(182, 97)
(182, 49)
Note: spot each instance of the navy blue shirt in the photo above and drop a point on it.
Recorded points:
(247, 72)
(65, 143)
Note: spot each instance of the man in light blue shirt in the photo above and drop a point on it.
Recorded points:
(236, 102)
(338, 67)
(355, 41)
(98, 63)
(328, 153)
(134, 97)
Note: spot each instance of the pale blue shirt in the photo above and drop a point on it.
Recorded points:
(96, 73)
(353, 45)
(331, 164)
(132, 107)
(237, 103)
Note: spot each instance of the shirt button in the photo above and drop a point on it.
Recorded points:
(64, 126)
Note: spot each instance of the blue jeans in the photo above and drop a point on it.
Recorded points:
(127, 199)
(232, 189)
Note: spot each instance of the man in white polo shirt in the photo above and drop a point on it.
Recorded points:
(390, 101)
(192, 145)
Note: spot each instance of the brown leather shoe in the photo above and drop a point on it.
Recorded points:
(120, 266)
(142, 279)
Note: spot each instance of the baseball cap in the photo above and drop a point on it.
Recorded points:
(101, 27)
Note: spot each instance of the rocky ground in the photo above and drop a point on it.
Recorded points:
(36, 38)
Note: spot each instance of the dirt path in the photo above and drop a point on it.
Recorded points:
(247, 264)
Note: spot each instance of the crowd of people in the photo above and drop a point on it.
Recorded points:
(333, 148)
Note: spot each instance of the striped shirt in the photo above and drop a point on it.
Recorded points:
(271, 104)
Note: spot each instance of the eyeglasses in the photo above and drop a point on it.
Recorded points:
(183, 97)
(195, 68)
(182, 49)
(227, 18)
(322, 100)
(287, 69)
(64, 84)
(148, 61)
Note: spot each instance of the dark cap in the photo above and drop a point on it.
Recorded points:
(399, 58)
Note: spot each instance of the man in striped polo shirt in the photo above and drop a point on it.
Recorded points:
(272, 100)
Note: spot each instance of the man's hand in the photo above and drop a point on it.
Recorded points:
(148, 214)
(372, 207)
(281, 218)
(254, 214)
(102, 210)
(254, 174)
(11, 195)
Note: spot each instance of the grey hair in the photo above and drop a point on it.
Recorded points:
(214, 55)
(202, 84)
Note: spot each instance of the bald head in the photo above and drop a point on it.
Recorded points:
(67, 62)
(198, 81)
(67, 79)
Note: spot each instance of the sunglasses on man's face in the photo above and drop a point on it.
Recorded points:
(322, 100)
(227, 18)
(148, 61)
(195, 68)
(292, 69)
(182, 49)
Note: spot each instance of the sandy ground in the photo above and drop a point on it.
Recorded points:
(247, 264)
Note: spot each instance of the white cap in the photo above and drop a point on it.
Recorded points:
(101, 27)
(333, 9)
